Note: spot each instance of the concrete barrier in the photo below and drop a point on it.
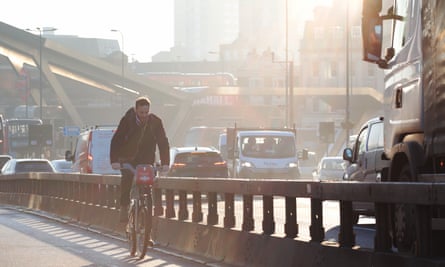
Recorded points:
(216, 243)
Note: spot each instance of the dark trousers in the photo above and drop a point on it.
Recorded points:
(126, 183)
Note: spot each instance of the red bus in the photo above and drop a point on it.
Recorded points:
(16, 137)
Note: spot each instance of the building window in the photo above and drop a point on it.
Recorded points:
(278, 82)
(255, 83)
(356, 32)
(333, 69)
(337, 33)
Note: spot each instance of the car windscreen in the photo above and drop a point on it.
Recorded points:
(3, 160)
(29, 166)
(268, 146)
(198, 158)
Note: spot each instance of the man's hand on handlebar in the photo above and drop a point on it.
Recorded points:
(116, 166)
(163, 170)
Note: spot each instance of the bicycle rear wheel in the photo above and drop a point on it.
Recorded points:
(131, 231)
(144, 230)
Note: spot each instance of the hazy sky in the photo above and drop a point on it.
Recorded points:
(136, 19)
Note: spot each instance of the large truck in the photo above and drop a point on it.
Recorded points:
(412, 35)
(262, 153)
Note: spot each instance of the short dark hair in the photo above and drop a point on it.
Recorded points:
(142, 101)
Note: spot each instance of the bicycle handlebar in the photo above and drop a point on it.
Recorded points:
(128, 166)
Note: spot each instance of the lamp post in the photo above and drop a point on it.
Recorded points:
(41, 31)
(123, 57)
(41, 72)
(288, 122)
(288, 102)
(347, 123)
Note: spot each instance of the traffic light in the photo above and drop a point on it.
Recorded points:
(326, 132)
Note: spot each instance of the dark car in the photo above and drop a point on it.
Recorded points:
(197, 162)
(367, 161)
(27, 165)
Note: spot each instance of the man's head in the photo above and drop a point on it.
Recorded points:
(142, 108)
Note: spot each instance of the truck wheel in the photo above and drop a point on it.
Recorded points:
(404, 220)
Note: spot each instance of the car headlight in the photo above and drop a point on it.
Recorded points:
(293, 165)
(246, 164)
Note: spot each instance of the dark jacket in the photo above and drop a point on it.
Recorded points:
(137, 144)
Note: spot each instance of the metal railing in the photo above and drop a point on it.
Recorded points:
(180, 200)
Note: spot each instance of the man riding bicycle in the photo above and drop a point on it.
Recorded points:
(134, 142)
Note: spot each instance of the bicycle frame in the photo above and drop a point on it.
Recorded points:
(141, 209)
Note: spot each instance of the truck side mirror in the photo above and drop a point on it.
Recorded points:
(347, 154)
(372, 39)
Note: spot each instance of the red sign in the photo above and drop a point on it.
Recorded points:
(145, 174)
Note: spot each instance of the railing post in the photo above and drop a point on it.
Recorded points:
(268, 217)
(183, 212)
(197, 209)
(316, 229)
(169, 203)
(346, 235)
(382, 240)
(229, 210)
(158, 209)
(248, 224)
(425, 233)
(212, 216)
(291, 226)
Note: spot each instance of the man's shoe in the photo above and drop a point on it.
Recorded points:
(151, 243)
(123, 214)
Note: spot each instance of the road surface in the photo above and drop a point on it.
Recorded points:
(27, 239)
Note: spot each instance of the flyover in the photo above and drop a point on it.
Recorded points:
(22, 47)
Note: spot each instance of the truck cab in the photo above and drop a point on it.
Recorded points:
(411, 35)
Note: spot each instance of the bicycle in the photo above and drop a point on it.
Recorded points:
(140, 215)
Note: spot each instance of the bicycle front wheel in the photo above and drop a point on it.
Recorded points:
(144, 230)
(131, 231)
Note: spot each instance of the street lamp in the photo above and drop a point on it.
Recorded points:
(289, 87)
(41, 31)
(123, 57)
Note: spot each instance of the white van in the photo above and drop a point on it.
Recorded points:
(262, 153)
(92, 152)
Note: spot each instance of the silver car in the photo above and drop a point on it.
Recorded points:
(62, 165)
(27, 165)
(330, 168)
